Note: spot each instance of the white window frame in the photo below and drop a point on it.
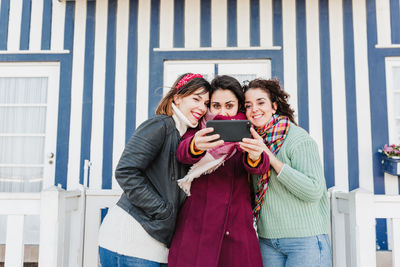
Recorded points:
(391, 62)
(50, 70)
(234, 66)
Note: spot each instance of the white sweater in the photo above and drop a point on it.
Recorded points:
(122, 234)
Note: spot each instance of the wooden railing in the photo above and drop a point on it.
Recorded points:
(70, 220)
(353, 217)
(59, 211)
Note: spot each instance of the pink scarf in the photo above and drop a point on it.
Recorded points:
(213, 158)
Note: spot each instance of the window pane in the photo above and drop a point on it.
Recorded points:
(243, 77)
(22, 120)
(396, 79)
(21, 150)
(23, 90)
(21, 179)
(396, 104)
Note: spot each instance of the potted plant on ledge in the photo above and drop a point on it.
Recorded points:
(391, 159)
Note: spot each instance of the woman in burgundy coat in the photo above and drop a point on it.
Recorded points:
(215, 224)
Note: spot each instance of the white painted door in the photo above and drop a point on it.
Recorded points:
(243, 70)
(28, 111)
(28, 131)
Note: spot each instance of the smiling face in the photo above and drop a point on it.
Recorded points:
(259, 108)
(224, 102)
(193, 106)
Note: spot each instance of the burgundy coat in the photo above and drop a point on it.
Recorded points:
(215, 224)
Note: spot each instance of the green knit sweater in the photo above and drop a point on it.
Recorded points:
(296, 201)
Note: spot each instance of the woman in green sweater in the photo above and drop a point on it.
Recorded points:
(293, 214)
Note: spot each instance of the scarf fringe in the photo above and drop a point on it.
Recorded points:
(205, 166)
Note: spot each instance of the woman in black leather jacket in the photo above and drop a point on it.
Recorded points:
(139, 229)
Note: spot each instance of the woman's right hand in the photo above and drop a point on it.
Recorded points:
(203, 142)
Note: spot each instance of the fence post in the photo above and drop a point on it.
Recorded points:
(362, 228)
(338, 231)
(396, 242)
(52, 227)
(14, 255)
(77, 231)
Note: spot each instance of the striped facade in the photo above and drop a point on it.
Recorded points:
(329, 55)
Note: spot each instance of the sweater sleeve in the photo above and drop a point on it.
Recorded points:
(183, 153)
(304, 176)
(261, 167)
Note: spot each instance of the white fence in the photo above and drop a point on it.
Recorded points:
(353, 227)
(69, 223)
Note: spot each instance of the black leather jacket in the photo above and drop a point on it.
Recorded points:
(147, 172)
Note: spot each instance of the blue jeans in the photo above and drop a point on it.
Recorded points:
(113, 259)
(313, 251)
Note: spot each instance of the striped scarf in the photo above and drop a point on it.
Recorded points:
(274, 134)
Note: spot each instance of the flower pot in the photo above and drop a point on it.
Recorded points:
(391, 165)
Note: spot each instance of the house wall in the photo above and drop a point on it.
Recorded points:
(329, 56)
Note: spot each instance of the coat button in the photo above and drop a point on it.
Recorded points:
(227, 232)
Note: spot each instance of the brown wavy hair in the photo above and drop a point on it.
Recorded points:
(276, 94)
(165, 106)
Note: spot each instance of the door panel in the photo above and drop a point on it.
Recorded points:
(28, 111)
(28, 132)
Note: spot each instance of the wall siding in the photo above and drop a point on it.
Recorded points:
(328, 54)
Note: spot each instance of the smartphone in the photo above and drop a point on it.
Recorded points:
(231, 130)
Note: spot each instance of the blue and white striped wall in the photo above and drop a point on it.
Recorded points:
(330, 56)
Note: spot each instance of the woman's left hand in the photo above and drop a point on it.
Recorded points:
(254, 147)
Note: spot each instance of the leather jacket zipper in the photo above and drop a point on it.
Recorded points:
(172, 165)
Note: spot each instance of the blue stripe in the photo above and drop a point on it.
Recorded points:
(25, 25)
(232, 23)
(351, 98)
(216, 70)
(64, 106)
(277, 17)
(254, 22)
(179, 23)
(381, 234)
(326, 93)
(395, 21)
(205, 23)
(302, 81)
(377, 85)
(46, 24)
(131, 70)
(4, 17)
(108, 136)
(379, 123)
(87, 87)
(155, 89)
(277, 64)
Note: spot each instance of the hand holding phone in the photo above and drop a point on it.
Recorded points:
(253, 146)
(205, 139)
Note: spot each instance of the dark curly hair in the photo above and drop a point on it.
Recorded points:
(276, 94)
(226, 82)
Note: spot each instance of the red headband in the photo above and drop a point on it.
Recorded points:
(187, 78)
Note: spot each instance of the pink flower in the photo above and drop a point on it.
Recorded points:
(388, 149)
(392, 150)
